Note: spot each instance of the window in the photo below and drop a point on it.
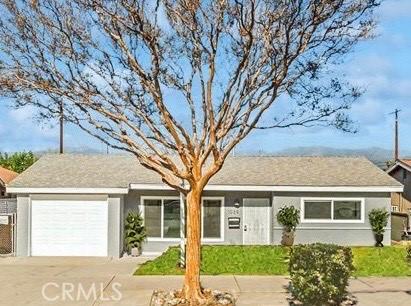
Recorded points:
(162, 217)
(394, 208)
(347, 210)
(211, 218)
(317, 210)
(152, 217)
(332, 210)
(171, 227)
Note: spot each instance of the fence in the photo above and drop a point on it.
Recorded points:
(399, 223)
(8, 209)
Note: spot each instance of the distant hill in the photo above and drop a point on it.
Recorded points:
(377, 155)
(81, 150)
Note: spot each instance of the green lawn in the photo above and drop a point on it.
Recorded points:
(272, 260)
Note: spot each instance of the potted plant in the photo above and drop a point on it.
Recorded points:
(288, 217)
(134, 233)
(378, 220)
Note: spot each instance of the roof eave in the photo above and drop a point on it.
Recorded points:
(399, 164)
(42, 190)
(212, 187)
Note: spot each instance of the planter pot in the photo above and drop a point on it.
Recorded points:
(287, 238)
(135, 252)
(378, 240)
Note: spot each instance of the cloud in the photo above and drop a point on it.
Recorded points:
(368, 112)
(23, 131)
(23, 121)
(394, 40)
(369, 64)
(21, 115)
(394, 10)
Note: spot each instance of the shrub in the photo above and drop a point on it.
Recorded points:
(289, 217)
(319, 273)
(134, 231)
(378, 220)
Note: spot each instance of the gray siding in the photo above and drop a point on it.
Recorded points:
(231, 236)
(23, 225)
(115, 208)
(338, 233)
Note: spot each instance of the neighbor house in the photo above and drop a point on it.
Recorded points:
(75, 205)
(6, 176)
(401, 171)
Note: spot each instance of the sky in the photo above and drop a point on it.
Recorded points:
(381, 66)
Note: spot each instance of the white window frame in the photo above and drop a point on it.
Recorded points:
(221, 199)
(332, 200)
(162, 198)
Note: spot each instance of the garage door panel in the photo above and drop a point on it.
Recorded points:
(69, 228)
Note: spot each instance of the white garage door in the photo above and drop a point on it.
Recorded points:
(69, 228)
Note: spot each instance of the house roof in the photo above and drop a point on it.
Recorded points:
(403, 163)
(406, 161)
(119, 171)
(6, 175)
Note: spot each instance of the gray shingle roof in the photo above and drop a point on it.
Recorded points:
(110, 171)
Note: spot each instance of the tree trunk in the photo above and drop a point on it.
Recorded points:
(192, 287)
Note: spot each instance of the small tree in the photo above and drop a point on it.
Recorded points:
(288, 217)
(179, 83)
(378, 220)
(134, 231)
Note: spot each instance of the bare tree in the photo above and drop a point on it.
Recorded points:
(179, 83)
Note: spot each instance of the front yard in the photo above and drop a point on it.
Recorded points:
(273, 260)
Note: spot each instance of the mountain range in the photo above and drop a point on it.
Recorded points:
(377, 155)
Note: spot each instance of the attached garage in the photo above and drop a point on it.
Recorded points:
(69, 228)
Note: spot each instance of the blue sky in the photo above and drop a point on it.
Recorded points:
(381, 66)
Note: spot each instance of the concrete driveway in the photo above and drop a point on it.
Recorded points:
(61, 280)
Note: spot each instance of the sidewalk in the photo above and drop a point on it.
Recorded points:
(59, 281)
(261, 290)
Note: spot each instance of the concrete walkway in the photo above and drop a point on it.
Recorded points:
(104, 281)
(262, 290)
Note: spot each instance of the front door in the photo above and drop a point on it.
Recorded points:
(256, 221)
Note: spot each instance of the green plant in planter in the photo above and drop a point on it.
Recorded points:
(134, 233)
(288, 217)
(378, 220)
